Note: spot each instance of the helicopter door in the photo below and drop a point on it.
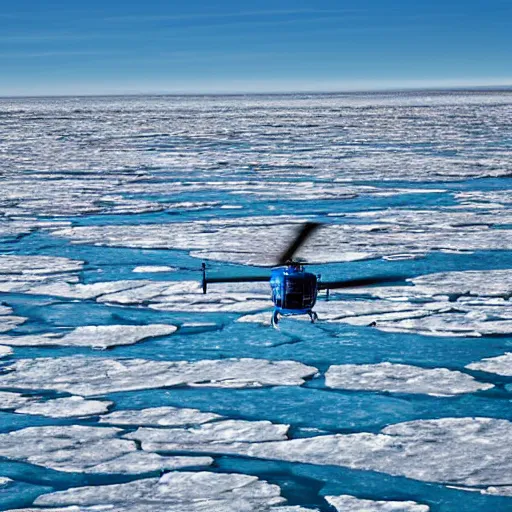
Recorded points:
(294, 294)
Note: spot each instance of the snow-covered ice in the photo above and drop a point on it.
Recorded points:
(153, 268)
(87, 450)
(402, 378)
(84, 376)
(108, 205)
(224, 431)
(5, 351)
(159, 416)
(501, 365)
(464, 451)
(68, 407)
(346, 503)
(101, 336)
(177, 491)
(10, 400)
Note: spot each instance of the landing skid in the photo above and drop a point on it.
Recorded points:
(276, 316)
(313, 316)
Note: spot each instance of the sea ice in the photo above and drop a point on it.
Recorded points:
(9, 322)
(153, 268)
(402, 378)
(224, 431)
(467, 451)
(87, 450)
(176, 492)
(92, 376)
(481, 308)
(346, 503)
(30, 267)
(69, 288)
(68, 407)
(501, 365)
(5, 351)
(460, 451)
(102, 336)
(10, 400)
(188, 296)
(482, 283)
(159, 417)
(382, 236)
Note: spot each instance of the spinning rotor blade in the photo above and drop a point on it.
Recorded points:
(305, 232)
(354, 283)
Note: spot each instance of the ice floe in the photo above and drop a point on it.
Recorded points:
(87, 450)
(159, 417)
(92, 376)
(35, 267)
(382, 235)
(5, 351)
(402, 378)
(176, 492)
(501, 365)
(222, 431)
(9, 400)
(346, 503)
(153, 268)
(7, 323)
(188, 296)
(102, 336)
(68, 407)
(461, 451)
(470, 303)
(468, 451)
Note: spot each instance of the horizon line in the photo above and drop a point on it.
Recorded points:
(386, 90)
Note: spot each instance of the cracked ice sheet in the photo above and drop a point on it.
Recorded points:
(188, 296)
(382, 236)
(203, 505)
(159, 417)
(5, 351)
(500, 365)
(36, 267)
(484, 307)
(175, 492)
(86, 376)
(83, 449)
(359, 312)
(68, 287)
(463, 451)
(7, 323)
(70, 197)
(448, 324)
(162, 295)
(68, 407)
(103, 336)
(348, 503)
(483, 283)
(223, 431)
(10, 400)
(153, 268)
(401, 378)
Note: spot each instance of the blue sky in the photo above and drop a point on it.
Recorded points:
(196, 46)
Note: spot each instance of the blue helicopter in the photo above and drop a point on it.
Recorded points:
(295, 291)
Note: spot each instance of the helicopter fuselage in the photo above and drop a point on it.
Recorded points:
(294, 291)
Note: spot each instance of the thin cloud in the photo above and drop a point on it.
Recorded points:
(44, 54)
(240, 14)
